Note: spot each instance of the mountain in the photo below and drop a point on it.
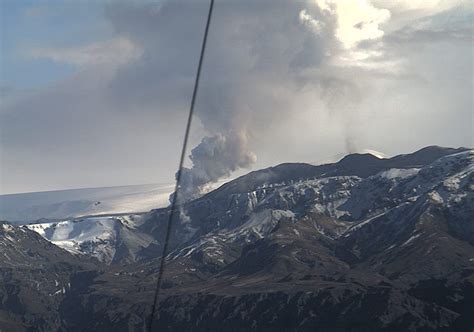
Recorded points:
(301, 186)
(392, 250)
(110, 239)
(361, 165)
(36, 277)
(363, 244)
(124, 238)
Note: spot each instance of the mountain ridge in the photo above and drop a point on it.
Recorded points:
(423, 156)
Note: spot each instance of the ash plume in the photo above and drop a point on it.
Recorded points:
(242, 92)
(215, 157)
(265, 64)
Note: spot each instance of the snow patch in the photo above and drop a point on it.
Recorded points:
(399, 173)
(413, 237)
(435, 197)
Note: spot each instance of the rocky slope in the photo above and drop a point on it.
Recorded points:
(36, 277)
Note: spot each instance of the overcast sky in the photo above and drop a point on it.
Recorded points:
(96, 93)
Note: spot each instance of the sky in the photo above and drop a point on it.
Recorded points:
(96, 93)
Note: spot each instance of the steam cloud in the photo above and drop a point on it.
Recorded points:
(215, 157)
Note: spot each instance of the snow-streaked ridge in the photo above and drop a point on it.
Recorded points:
(96, 236)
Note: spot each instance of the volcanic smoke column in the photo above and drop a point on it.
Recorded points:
(214, 158)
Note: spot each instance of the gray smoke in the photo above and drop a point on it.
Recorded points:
(215, 157)
(250, 83)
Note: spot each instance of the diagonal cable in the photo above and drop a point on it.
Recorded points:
(174, 201)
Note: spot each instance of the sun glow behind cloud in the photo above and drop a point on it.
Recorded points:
(358, 20)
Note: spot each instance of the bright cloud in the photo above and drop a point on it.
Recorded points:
(426, 6)
(355, 22)
(358, 20)
(310, 21)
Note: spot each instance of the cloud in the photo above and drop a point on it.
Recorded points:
(111, 52)
(424, 7)
(282, 80)
(216, 157)
(357, 20)
(266, 48)
(311, 22)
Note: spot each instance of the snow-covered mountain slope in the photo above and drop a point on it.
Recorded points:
(237, 217)
(222, 221)
(23, 208)
(336, 207)
(217, 226)
(107, 238)
(404, 235)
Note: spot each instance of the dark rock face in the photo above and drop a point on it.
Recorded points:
(365, 244)
(35, 276)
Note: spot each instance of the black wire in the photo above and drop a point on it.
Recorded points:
(178, 176)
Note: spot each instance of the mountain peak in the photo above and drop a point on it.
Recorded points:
(359, 158)
(425, 155)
